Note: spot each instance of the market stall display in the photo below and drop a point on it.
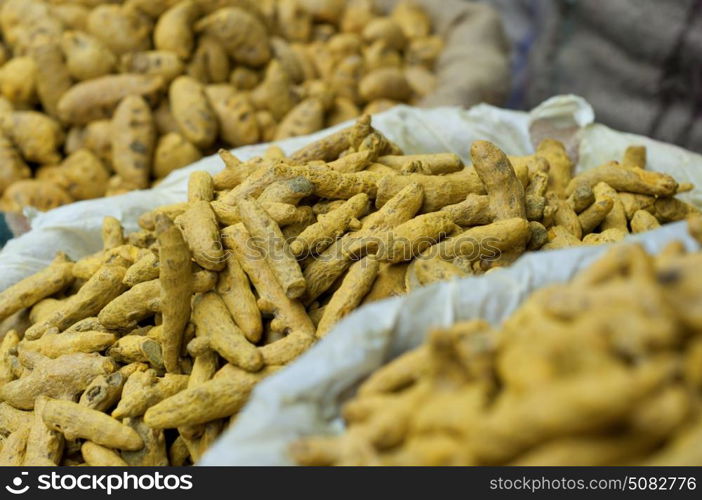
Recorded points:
(172, 326)
(101, 98)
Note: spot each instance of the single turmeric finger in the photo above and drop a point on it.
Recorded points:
(52, 279)
(353, 162)
(176, 280)
(104, 391)
(97, 292)
(100, 456)
(535, 196)
(616, 218)
(634, 157)
(96, 99)
(561, 166)
(564, 215)
(475, 210)
(416, 235)
(153, 453)
(429, 164)
(331, 146)
(439, 190)
(316, 237)
(282, 213)
(192, 112)
(14, 446)
(146, 268)
(64, 377)
(356, 284)
(673, 210)
(611, 235)
(582, 197)
(144, 389)
(235, 114)
(132, 306)
(235, 290)
(54, 345)
(112, 234)
(199, 226)
(8, 345)
(200, 186)
(630, 180)
(505, 191)
(217, 398)
(137, 348)
(212, 320)
(44, 445)
(11, 419)
(643, 221)
(485, 241)
(174, 30)
(595, 214)
(323, 271)
(133, 141)
(266, 232)
(76, 421)
(241, 34)
(287, 191)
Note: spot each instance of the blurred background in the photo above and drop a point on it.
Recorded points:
(638, 62)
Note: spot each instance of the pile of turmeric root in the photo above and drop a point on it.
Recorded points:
(604, 370)
(143, 352)
(103, 97)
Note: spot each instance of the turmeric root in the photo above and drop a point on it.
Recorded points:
(356, 285)
(13, 449)
(44, 445)
(76, 421)
(26, 293)
(290, 313)
(200, 230)
(316, 237)
(133, 141)
(104, 391)
(630, 180)
(416, 235)
(212, 320)
(144, 389)
(96, 99)
(54, 345)
(241, 34)
(235, 290)
(100, 456)
(561, 167)
(63, 378)
(175, 279)
(98, 291)
(266, 232)
(643, 221)
(217, 398)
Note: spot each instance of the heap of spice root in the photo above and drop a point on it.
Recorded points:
(604, 370)
(143, 352)
(103, 97)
